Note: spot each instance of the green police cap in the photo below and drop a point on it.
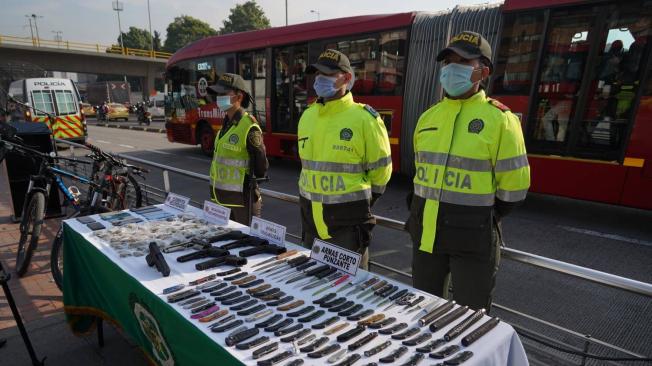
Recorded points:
(469, 45)
(228, 81)
(329, 62)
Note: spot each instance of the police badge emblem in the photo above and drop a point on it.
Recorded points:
(233, 139)
(346, 134)
(476, 125)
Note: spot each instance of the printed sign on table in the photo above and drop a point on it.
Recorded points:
(216, 213)
(177, 201)
(338, 257)
(271, 231)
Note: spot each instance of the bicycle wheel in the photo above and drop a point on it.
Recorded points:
(30, 230)
(125, 193)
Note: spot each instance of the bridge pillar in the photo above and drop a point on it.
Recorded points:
(148, 82)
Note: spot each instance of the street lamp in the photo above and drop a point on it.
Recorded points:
(31, 29)
(58, 38)
(34, 17)
(151, 36)
(316, 12)
(118, 7)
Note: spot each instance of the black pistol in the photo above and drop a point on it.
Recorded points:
(268, 248)
(251, 241)
(230, 260)
(213, 252)
(155, 258)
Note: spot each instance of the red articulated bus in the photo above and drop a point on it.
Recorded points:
(577, 72)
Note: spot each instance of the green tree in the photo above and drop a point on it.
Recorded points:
(245, 17)
(184, 30)
(135, 38)
(157, 41)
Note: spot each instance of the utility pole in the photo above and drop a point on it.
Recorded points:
(38, 39)
(31, 30)
(286, 13)
(151, 36)
(58, 38)
(118, 7)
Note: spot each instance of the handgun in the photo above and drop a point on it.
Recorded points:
(268, 249)
(230, 260)
(155, 258)
(211, 251)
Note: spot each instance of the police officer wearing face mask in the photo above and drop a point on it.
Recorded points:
(345, 158)
(239, 149)
(471, 170)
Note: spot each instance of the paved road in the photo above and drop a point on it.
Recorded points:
(607, 238)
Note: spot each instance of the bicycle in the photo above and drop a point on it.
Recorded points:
(108, 171)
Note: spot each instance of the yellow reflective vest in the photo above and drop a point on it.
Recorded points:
(345, 156)
(467, 152)
(231, 158)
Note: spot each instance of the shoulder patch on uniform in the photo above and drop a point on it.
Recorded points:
(498, 105)
(255, 138)
(371, 110)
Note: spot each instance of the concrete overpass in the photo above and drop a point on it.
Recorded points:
(96, 61)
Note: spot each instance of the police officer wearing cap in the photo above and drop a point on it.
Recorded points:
(345, 160)
(239, 151)
(471, 170)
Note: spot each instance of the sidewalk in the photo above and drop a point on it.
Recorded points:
(41, 306)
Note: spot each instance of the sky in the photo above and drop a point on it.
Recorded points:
(94, 21)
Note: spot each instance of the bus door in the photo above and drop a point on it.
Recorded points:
(588, 82)
(291, 90)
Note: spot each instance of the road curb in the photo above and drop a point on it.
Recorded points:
(135, 128)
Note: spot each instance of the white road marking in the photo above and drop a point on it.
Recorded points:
(159, 152)
(200, 159)
(103, 142)
(606, 235)
(127, 146)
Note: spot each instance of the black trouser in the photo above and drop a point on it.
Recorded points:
(352, 238)
(473, 272)
(241, 214)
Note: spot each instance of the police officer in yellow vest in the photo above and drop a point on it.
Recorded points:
(239, 149)
(345, 158)
(471, 170)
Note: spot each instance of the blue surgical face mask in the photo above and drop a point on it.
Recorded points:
(456, 79)
(223, 102)
(325, 86)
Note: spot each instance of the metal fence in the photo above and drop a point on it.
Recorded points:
(598, 277)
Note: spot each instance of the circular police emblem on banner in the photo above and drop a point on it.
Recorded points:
(316, 249)
(346, 134)
(234, 139)
(476, 126)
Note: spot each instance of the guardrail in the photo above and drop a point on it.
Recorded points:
(78, 46)
(595, 276)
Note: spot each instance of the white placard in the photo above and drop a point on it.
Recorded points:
(271, 231)
(176, 201)
(216, 213)
(338, 257)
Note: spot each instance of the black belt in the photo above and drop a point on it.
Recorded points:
(287, 330)
(302, 311)
(311, 317)
(252, 310)
(394, 355)
(362, 341)
(277, 326)
(344, 337)
(269, 321)
(295, 336)
(228, 326)
(244, 305)
(314, 345)
(265, 350)
(251, 344)
(325, 351)
(418, 339)
(351, 310)
(325, 298)
(408, 333)
(393, 329)
(276, 359)
(326, 323)
(360, 315)
(241, 336)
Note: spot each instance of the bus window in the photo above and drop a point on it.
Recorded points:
(561, 75)
(300, 85)
(282, 90)
(364, 57)
(392, 63)
(616, 79)
(204, 75)
(42, 102)
(517, 56)
(244, 70)
(259, 69)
